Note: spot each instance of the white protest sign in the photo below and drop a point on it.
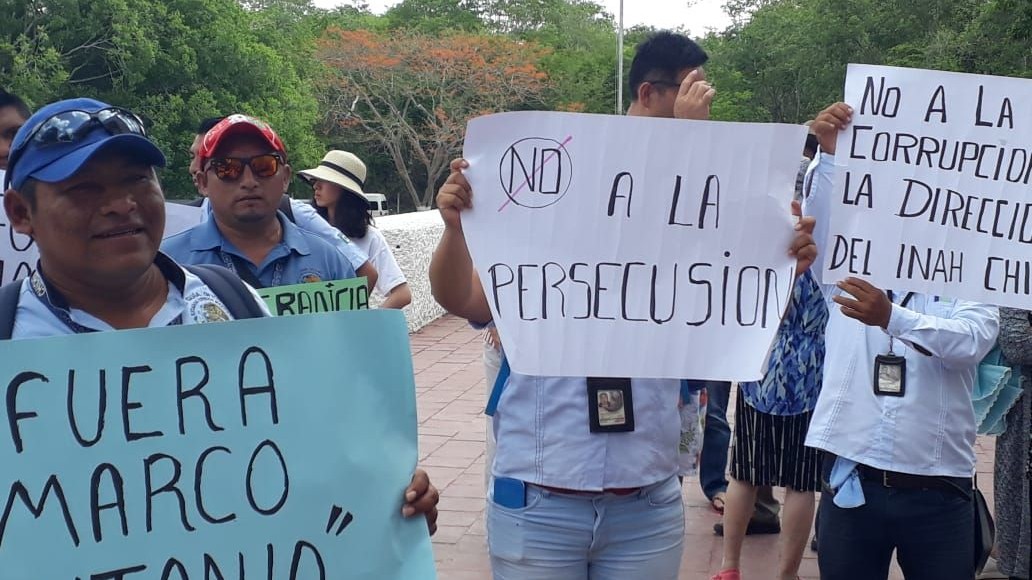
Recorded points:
(632, 247)
(932, 186)
(18, 254)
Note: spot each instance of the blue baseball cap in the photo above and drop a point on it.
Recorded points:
(58, 161)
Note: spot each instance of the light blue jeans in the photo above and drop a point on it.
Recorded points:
(597, 537)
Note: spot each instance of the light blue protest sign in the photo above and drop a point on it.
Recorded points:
(271, 449)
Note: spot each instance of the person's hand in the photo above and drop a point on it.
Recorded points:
(694, 97)
(803, 247)
(422, 497)
(491, 337)
(828, 124)
(869, 305)
(455, 195)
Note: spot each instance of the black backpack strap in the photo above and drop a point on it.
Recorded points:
(8, 308)
(286, 208)
(230, 289)
(244, 272)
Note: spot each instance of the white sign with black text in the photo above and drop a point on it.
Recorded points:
(615, 246)
(932, 188)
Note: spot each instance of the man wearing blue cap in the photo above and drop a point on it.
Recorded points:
(81, 180)
(82, 183)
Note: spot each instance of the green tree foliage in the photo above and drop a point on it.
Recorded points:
(784, 60)
(582, 38)
(179, 61)
(174, 62)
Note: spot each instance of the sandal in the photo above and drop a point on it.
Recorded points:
(717, 502)
(730, 574)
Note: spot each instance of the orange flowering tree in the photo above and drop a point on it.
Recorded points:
(413, 93)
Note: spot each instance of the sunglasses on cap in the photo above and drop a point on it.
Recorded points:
(232, 168)
(71, 126)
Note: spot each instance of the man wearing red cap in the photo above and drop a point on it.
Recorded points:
(244, 170)
(298, 211)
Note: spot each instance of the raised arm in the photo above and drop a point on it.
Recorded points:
(453, 281)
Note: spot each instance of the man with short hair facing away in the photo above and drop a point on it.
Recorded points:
(244, 171)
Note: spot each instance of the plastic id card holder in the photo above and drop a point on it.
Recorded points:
(890, 375)
(610, 405)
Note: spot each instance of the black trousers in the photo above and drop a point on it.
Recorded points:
(931, 531)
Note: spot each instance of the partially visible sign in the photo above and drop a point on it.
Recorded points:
(931, 191)
(333, 296)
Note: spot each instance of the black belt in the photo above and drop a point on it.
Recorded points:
(910, 481)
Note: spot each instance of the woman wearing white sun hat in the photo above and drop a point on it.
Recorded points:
(337, 183)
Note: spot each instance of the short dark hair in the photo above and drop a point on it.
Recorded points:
(663, 55)
(207, 124)
(12, 100)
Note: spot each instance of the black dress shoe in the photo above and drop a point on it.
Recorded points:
(755, 527)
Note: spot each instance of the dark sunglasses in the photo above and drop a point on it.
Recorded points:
(71, 126)
(231, 168)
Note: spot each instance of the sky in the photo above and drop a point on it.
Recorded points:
(695, 19)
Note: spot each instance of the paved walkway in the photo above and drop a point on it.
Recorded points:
(451, 396)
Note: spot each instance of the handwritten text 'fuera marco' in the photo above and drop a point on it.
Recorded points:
(151, 491)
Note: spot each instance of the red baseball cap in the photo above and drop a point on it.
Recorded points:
(233, 125)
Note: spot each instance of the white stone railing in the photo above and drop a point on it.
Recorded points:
(413, 237)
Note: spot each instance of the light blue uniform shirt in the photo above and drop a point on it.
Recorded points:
(301, 256)
(931, 429)
(542, 434)
(189, 301)
(306, 218)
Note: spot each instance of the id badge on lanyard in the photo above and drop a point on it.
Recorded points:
(610, 405)
(890, 370)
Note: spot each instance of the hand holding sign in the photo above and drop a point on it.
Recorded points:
(869, 305)
(803, 247)
(422, 497)
(694, 97)
(455, 195)
(828, 124)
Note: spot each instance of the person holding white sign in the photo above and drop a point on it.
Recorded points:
(894, 418)
(585, 482)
